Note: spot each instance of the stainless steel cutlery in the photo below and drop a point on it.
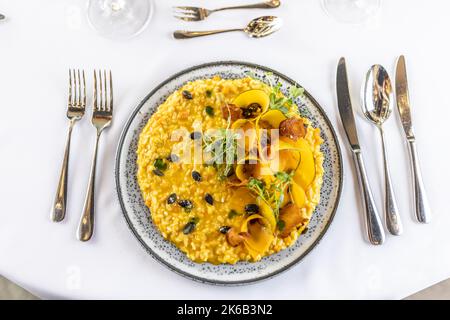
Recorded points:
(101, 119)
(376, 103)
(257, 28)
(375, 232)
(187, 13)
(76, 106)
(422, 209)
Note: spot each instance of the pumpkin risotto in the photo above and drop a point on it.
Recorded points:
(229, 169)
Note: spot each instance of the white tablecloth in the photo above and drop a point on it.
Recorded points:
(42, 39)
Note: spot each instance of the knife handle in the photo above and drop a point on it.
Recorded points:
(421, 205)
(374, 227)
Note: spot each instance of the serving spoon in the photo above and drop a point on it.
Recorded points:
(257, 28)
(377, 98)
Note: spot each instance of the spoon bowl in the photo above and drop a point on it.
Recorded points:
(263, 26)
(377, 95)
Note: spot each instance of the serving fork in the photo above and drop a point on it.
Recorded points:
(76, 105)
(198, 14)
(101, 119)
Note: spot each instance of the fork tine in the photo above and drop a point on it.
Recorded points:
(104, 86)
(95, 90)
(75, 92)
(110, 92)
(101, 89)
(186, 8)
(84, 91)
(185, 12)
(69, 102)
(79, 103)
(187, 18)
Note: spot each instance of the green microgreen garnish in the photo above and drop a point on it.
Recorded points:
(272, 194)
(222, 147)
(278, 101)
(233, 213)
(160, 164)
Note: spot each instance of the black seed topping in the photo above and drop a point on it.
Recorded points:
(196, 176)
(224, 229)
(196, 135)
(209, 199)
(189, 227)
(158, 172)
(187, 95)
(209, 111)
(186, 204)
(172, 198)
(251, 208)
(251, 111)
(208, 93)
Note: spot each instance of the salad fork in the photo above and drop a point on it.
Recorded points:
(76, 105)
(101, 119)
(198, 14)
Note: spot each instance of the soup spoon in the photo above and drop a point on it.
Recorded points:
(257, 28)
(377, 101)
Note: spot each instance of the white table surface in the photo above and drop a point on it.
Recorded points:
(42, 39)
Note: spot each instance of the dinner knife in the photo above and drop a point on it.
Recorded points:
(374, 228)
(421, 206)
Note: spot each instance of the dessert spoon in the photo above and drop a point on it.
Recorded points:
(377, 99)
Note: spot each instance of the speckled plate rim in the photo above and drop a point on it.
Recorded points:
(172, 267)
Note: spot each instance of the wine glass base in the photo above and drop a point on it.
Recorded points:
(119, 19)
(352, 11)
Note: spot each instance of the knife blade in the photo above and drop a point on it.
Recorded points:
(421, 206)
(374, 229)
(345, 105)
(403, 105)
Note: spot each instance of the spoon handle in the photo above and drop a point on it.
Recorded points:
(422, 208)
(393, 221)
(375, 230)
(181, 34)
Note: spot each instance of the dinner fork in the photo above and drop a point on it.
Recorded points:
(101, 119)
(76, 105)
(198, 14)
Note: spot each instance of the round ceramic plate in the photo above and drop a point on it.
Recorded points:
(138, 216)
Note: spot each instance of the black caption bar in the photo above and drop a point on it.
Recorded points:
(213, 309)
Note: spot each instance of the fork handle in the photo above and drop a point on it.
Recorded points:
(59, 205)
(262, 5)
(181, 34)
(86, 225)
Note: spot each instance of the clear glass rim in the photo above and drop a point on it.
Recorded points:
(123, 37)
